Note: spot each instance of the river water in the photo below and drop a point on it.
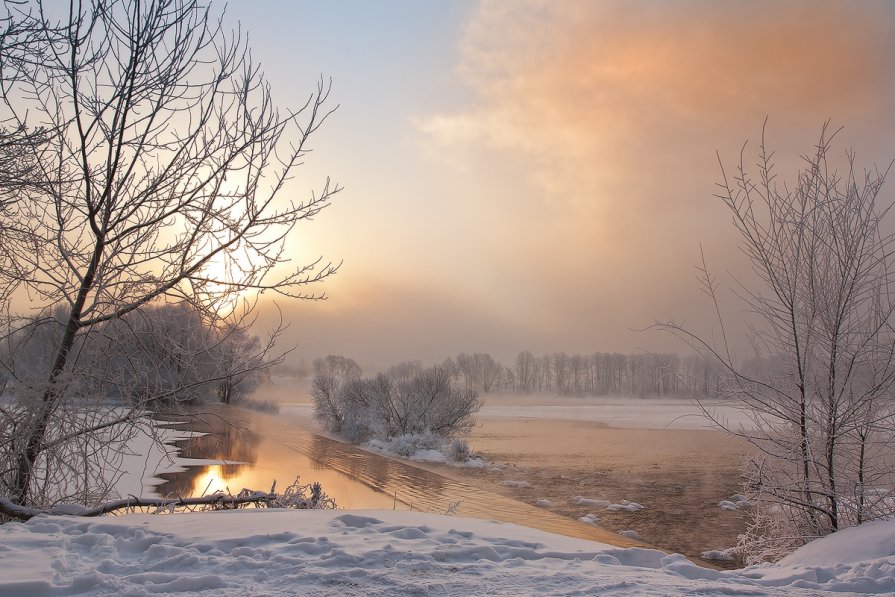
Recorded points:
(255, 449)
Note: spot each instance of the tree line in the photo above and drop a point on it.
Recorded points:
(156, 358)
(596, 374)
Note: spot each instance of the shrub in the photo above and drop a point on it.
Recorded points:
(426, 404)
(409, 443)
(459, 451)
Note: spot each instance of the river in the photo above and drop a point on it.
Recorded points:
(256, 448)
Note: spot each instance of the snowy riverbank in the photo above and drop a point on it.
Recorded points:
(376, 552)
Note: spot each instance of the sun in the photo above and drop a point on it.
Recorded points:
(227, 278)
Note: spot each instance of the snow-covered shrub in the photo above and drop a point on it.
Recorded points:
(770, 535)
(409, 443)
(719, 555)
(303, 497)
(354, 431)
(427, 403)
(459, 450)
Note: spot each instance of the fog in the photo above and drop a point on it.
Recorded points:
(540, 176)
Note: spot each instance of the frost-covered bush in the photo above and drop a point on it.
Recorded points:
(424, 404)
(459, 450)
(409, 443)
(354, 431)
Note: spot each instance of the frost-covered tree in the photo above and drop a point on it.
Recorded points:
(383, 407)
(170, 355)
(342, 368)
(154, 170)
(820, 386)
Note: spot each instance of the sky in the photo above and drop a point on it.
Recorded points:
(540, 175)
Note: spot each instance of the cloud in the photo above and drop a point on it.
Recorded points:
(585, 88)
(611, 112)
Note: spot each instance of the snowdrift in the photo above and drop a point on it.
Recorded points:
(370, 552)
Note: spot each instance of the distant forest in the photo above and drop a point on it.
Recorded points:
(597, 374)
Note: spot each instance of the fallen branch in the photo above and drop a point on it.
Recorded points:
(217, 501)
(296, 496)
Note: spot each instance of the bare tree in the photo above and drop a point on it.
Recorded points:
(819, 387)
(342, 368)
(526, 371)
(159, 177)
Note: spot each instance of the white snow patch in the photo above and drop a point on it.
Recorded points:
(718, 555)
(870, 541)
(736, 502)
(516, 484)
(625, 506)
(583, 501)
(422, 454)
(631, 534)
(384, 552)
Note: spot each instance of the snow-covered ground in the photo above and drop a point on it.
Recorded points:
(376, 552)
(619, 411)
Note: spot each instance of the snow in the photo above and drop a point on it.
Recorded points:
(589, 519)
(516, 484)
(388, 448)
(718, 555)
(619, 412)
(385, 552)
(584, 501)
(849, 545)
(625, 506)
(736, 502)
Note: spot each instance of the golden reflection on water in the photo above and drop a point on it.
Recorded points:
(210, 480)
(240, 439)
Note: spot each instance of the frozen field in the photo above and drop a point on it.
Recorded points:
(622, 412)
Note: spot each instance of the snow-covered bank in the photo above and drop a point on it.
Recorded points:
(375, 552)
(150, 456)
